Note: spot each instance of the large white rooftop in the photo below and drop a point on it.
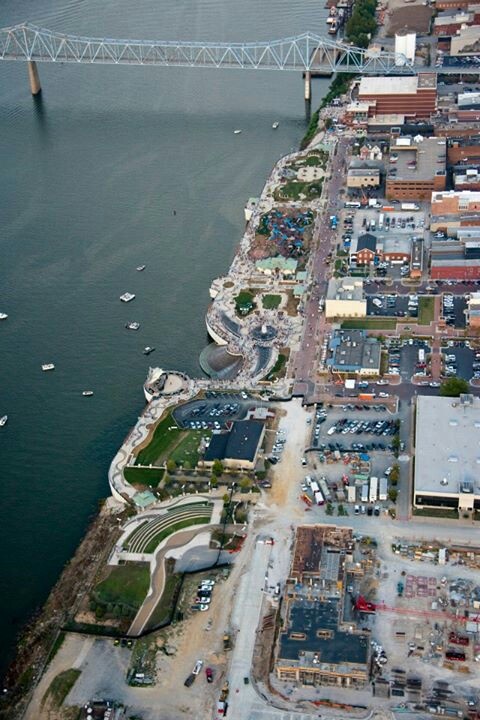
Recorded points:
(388, 86)
(447, 445)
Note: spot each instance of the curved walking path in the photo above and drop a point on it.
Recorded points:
(157, 579)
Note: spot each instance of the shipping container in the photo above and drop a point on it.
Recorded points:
(351, 493)
(366, 396)
(372, 495)
(364, 493)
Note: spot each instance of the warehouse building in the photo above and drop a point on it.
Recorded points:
(447, 454)
(345, 298)
(238, 448)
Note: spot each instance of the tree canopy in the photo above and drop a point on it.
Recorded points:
(453, 387)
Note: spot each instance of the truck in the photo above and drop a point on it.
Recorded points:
(421, 355)
(351, 493)
(325, 489)
(373, 491)
(314, 486)
(409, 206)
(380, 221)
(383, 489)
(365, 493)
(333, 222)
(366, 396)
(319, 499)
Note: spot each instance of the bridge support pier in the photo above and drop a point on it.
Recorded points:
(34, 77)
(308, 94)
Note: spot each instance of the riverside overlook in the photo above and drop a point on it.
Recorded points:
(92, 174)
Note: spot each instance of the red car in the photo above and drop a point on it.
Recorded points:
(209, 674)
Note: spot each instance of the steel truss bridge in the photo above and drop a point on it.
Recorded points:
(307, 52)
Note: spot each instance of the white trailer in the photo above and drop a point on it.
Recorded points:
(380, 221)
(383, 489)
(365, 493)
(351, 493)
(325, 489)
(409, 206)
(372, 495)
(421, 355)
(319, 498)
(314, 486)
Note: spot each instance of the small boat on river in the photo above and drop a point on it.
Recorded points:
(87, 393)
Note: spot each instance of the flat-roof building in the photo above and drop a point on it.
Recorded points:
(413, 96)
(447, 452)
(238, 447)
(454, 202)
(345, 298)
(315, 645)
(363, 176)
(418, 165)
(354, 352)
(473, 310)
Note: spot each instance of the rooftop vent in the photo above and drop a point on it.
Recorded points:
(444, 481)
(453, 423)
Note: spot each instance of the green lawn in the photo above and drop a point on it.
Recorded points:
(187, 449)
(162, 439)
(278, 367)
(426, 309)
(370, 324)
(163, 608)
(125, 585)
(144, 476)
(293, 189)
(61, 686)
(271, 302)
(244, 302)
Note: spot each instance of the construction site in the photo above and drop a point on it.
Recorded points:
(357, 616)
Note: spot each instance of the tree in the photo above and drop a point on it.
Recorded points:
(213, 481)
(187, 465)
(217, 467)
(393, 494)
(171, 465)
(453, 387)
(394, 475)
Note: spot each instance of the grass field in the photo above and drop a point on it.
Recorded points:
(271, 302)
(162, 440)
(426, 309)
(144, 476)
(187, 449)
(436, 512)
(370, 324)
(163, 608)
(61, 686)
(292, 190)
(277, 369)
(125, 585)
(244, 302)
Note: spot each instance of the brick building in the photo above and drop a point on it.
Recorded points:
(414, 97)
(417, 167)
(453, 202)
(449, 22)
(363, 249)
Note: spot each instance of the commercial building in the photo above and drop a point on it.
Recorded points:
(454, 202)
(363, 249)
(345, 298)
(463, 150)
(455, 260)
(278, 265)
(405, 48)
(416, 260)
(466, 178)
(238, 448)
(447, 452)
(354, 352)
(415, 97)
(449, 22)
(315, 646)
(395, 249)
(473, 310)
(363, 176)
(418, 165)
(466, 41)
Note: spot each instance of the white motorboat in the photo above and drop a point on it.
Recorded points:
(140, 268)
(3, 420)
(87, 393)
(275, 125)
(3, 316)
(48, 366)
(148, 350)
(127, 297)
(133, 326)
(237, 132)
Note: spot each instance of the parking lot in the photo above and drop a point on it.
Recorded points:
(214, 411)
(461, 361)
(407, 358)
(453, 310)
(392, 305)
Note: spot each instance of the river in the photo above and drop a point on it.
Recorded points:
(90, 177)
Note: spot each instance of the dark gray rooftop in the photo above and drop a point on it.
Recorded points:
(240, 443)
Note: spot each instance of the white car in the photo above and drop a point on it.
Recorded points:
(198, 666)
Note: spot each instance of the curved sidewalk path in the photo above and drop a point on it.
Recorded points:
(157, 579)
